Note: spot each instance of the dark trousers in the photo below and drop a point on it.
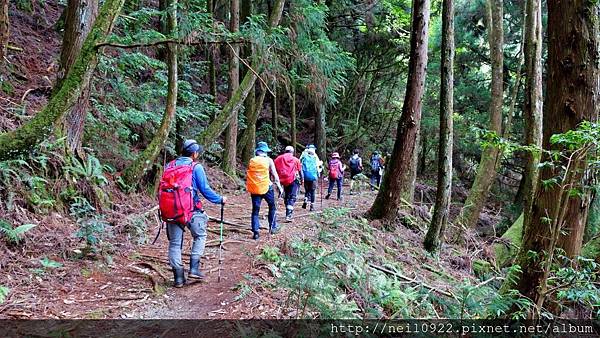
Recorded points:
(375, 178)
(290, 194)
(338, 182)
(269, 196)
(309, 190)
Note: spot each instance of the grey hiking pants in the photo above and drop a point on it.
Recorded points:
(197, 226)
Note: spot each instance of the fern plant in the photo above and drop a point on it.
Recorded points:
(4, 291)
(90, 170)
(14, 235)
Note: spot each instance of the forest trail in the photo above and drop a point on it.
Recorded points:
(211, 299)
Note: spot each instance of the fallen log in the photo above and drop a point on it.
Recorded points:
(411, 280)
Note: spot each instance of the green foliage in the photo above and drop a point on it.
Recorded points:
(92, 227)
(90, 170)
(270, 254)
(576, 281)
(14, 235)
(4, 291)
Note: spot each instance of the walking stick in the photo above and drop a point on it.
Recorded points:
(221, 244)
(321, 193)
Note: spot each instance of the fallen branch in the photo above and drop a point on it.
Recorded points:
(412, 280)
(161, 42)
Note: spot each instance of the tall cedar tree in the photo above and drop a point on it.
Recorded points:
(572, 97)
(79, 18)
(4, 29)
(40, 127)
(212, 55)
(145, 160)
(486, 171)
(533, 101)
(435, 234)
(398, 178)
(231, 133)
(222, 119)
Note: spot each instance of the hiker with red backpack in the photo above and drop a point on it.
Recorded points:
(336, 175)
(290, 174)
(181, 185)
(260, 186)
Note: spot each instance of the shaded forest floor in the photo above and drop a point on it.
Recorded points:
(134, 281)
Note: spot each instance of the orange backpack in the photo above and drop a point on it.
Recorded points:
(257, 176)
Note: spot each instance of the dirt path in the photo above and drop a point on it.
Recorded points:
(213, 299)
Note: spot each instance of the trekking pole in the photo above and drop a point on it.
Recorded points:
(221, 244)
(321, 193)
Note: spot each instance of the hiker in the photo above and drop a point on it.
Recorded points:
(336, 175)
(186, 172)
(376, 168)
(289, 170)
(260, 186)
(311, 171)
(356, 167)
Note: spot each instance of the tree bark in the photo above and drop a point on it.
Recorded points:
(486, 172)
(231, 133)
(4, 29)
(293, 136)
(441, 210)
(320, 133)
(212, 56)
(398, 183)
(220, 122)
(275, 112)
(572, 97)
(145, 160)
(248, 139)
(80, 16)
(38, 128)
(533, 102)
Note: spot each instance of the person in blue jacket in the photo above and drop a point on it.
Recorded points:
(190, 153)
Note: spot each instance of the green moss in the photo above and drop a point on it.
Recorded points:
(506, 252)
(591, 249)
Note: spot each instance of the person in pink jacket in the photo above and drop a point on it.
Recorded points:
(336, 175)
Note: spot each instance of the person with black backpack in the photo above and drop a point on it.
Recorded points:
(181, 185)
(376, 169)
(356, 167)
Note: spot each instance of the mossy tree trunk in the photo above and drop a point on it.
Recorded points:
(79, 18)
(136, 170)
(222, 119)
(275, 113)
(41, 126)
(441, 210)
(533, 101)
(320, 132)
(572, 97)
(248, 139)
(212, 56)
(230, 152)
(293, 136)
(4, 29)
(399, 180)
(486, 171)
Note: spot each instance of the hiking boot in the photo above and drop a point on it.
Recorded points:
(255, 236)
(304, 204)
(312, 207)
(340, 198)
(195, 272)
(288, 215)
(275, 231)
(327, 196)
(179, 277)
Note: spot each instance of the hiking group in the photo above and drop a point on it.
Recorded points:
(184, 180)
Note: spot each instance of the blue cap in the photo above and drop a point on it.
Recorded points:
(311, 146)
(262, 146)
(191, 146)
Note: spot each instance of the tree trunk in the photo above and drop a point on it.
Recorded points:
(248, 139)
(398, 183)
(231, 133)
(220, 122)
(533, 102)
(572, 97)
(80, 16)
(38, 128)
(275, 113)
(486, 172)
(145, 160)
(4, 29)
(320, 133)
(293, 136)
(439, 221)
(212, 56)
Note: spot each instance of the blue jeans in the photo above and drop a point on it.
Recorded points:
(197, 226)
(291, 193)
(269, 196)
(338, 182)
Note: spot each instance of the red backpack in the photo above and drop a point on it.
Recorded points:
(176, 194)
(334, 169)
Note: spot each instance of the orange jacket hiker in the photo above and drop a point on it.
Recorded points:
(257, 176)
